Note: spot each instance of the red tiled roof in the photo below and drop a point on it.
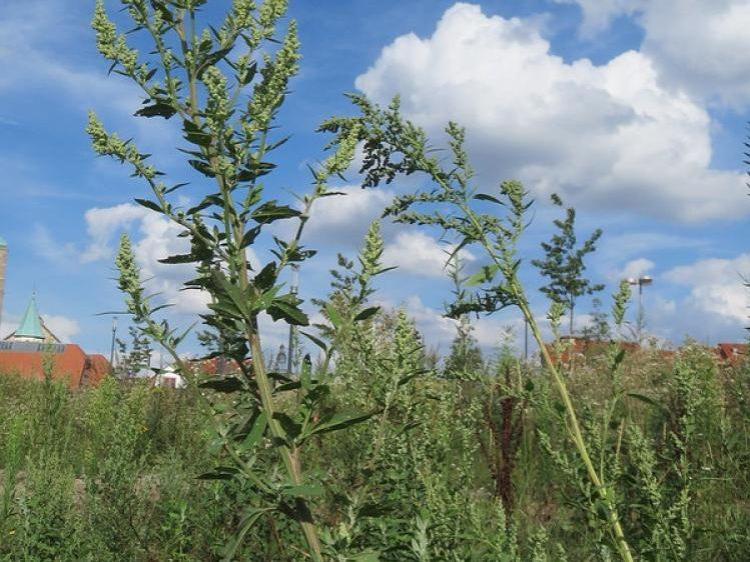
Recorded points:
(72, 366)
(732, 352)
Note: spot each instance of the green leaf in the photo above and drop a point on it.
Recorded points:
(270, 212)
(485, 197)
(150, 205)
(202, 167)
(256, 433)
(303, 491)
(341, 421)
(367, 313)
(317, 341)
(282, 308)
(211, 60)
(195, 134)
(157, 109)
(291, 428)
(486, 275)
(219, 383)
(267, 277)
(220, 473)
(248, 520)
(334, 316)
(179, 258)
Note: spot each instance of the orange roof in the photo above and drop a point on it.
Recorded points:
(71, 366)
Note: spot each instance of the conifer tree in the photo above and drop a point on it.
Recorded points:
(564, 265)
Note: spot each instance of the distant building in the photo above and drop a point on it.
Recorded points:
(732, 353)
(168, 378)
(32, 350)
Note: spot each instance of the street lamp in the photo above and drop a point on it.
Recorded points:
(641, 281)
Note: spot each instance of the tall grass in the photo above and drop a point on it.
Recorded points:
(110, 473)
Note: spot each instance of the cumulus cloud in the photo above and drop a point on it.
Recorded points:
(716, 287)
(343, 220)
(64, 328)
(699, 45)
(417, 253)
(103, 223)
(606, 136)
(155, 238)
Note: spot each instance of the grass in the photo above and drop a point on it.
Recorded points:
(111, 473)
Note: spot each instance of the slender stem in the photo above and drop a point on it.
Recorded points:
(577, 436)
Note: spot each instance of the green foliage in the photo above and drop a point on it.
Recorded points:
(253, 465)
(563, 264)
(226, 85)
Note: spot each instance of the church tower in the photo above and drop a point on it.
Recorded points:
(3, 265)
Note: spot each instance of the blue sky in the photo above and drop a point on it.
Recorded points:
(634, 111)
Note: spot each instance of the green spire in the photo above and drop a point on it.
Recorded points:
(31, 325)
(3, 243)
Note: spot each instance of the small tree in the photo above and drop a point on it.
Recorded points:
(465, 355)
(563, 264)
(133, 357)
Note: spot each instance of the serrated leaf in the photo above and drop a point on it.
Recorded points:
(283, 309)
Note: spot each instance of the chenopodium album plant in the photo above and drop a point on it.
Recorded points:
(394, 146)
(226, 85)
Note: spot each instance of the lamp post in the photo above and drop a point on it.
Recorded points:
(641, 281)
(112, 348)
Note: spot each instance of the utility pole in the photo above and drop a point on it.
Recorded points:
(290, 347)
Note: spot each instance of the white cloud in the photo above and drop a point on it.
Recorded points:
(343, 220)
(419, 254)
(636, 268)
(699, 45)
(598, 14)
(716, 287)
(103, 223)
(64, 328)
(606, 136)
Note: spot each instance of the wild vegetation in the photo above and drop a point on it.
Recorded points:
(371, 448)
(474, 466)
